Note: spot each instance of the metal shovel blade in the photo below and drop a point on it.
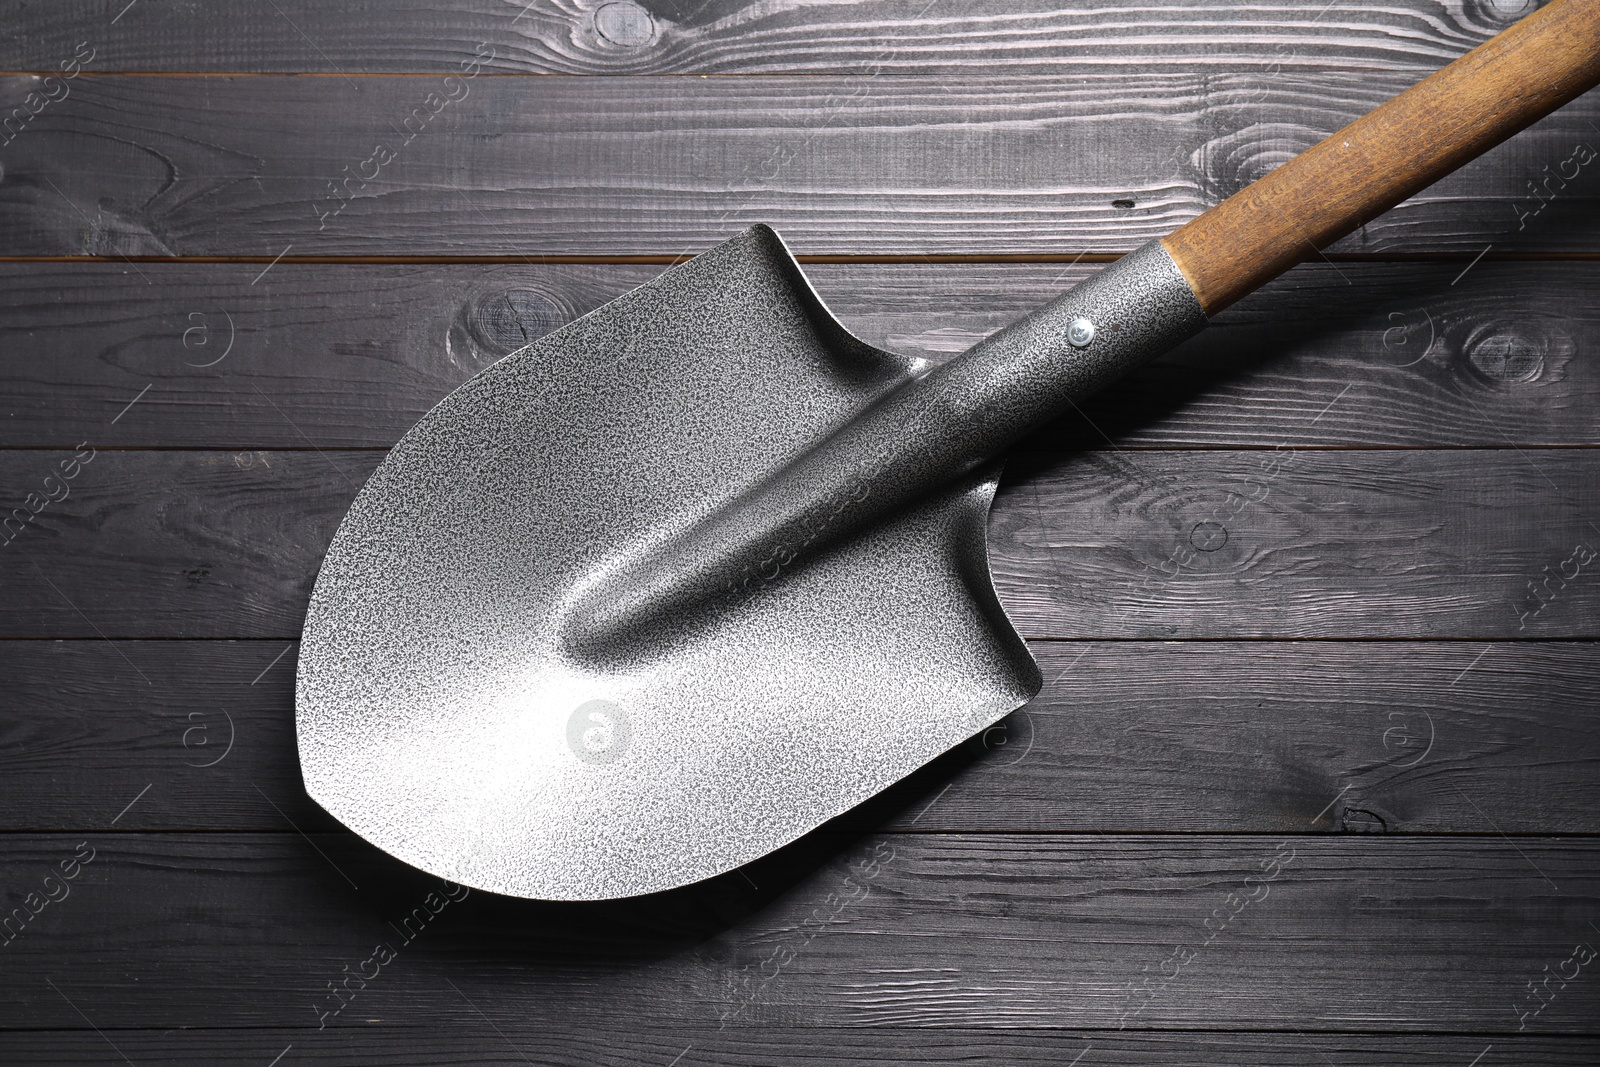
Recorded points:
(442, 716)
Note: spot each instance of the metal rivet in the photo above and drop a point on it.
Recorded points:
(1080, 332)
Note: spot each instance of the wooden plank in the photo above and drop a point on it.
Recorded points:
(1047, 941)
(1218, 736)
(1195, 737)
(207, 726)
(1208, 544)
(1307, 544)
(178, 543)
(735, 36)
(470, 1041)
(974, 164)
(358, 352)
(1014, 931)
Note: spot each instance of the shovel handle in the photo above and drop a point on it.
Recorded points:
(1463, 110)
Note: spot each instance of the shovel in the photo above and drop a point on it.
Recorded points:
(674, 585)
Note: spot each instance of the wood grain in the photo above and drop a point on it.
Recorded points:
(1309, 544)
(1039, 874)
(974, 164)
(739, 36)
(472, 1042)
(359, 353)
(248, 555)
(1211, 544)
(993, 931)
(1390, 154)
(1218, 736)
(1192, 737)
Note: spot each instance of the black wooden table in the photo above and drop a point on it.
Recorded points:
(1314, 775)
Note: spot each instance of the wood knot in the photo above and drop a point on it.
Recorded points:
(497, 324)
(112, 233)
(1502, 353)
(1362, 821)
(1495, 15)
(1227, 163)
(1208, 536)
(611, 36)
(625, 24)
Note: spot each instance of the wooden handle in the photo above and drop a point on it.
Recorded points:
(1454, 115)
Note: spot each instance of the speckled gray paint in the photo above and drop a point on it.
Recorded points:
(678, 583)
(914, 439)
